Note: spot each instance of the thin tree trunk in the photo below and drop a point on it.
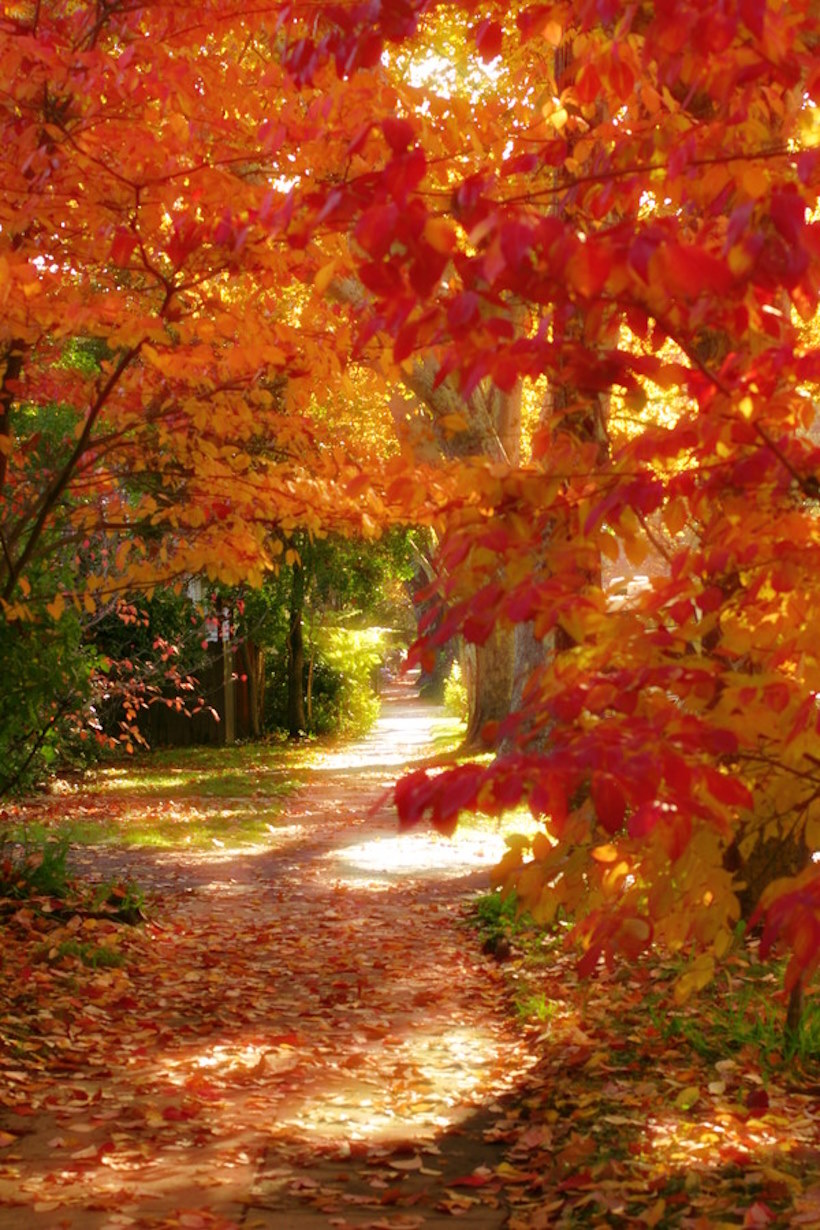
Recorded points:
(794, 1012)
(297, 724)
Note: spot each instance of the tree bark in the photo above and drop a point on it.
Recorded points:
(794, 1012)
(488, 676)
(254, 666)
(297, 724)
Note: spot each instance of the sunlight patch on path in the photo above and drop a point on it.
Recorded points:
(278, 1008)
(415, 853)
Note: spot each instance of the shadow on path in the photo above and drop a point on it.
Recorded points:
(306, 1034)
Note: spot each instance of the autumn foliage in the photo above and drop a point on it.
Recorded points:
(246, 219)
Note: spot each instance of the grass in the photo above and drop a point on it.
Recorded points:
(34, 865)
(447, 734)
(190, 798)
(741, 1013)
(738, 1013)
(94, 956)
(235, 772)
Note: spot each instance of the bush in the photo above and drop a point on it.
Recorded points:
(340, 666)
(455, 694)
(343, 698)
(46, 672)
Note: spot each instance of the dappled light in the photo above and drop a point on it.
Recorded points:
(459, 361)
(306, 1023)
(397, 855)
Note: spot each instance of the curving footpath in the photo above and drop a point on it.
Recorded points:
(308, 1037)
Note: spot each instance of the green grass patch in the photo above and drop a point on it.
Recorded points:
(446, 734)
(94, 956)
(188, 798)
(238, 772)
(738, 1014)
(34, 865)
(534, 1006)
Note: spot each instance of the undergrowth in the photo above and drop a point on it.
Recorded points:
(741, 1013)
(35, 869)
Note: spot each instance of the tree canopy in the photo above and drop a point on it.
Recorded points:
(564, 263)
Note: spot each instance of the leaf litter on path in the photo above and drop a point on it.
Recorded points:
(301, 1025)
(304, 1035)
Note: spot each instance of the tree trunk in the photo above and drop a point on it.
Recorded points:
(254, 663)
(488, 677)
(756, 861)
(296, 656)
(794, 1012)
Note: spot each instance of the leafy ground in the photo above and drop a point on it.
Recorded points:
(314, 1027)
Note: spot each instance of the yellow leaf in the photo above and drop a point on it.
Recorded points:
(546, 906)
(56, 608)
(178, 125)
(722, 943)
(292, 556)
(439, 233)
(25, 585)
(89, 604)
(755, 181)
(5, 445)
(687, 1097)
(325, 276)
(812, 837)
(613, 880)
(654, 1215)
(511, 1174)
(454, 422)
(553, 33)
(605, 854)
(700, 974)
(675, 516)
(609, 547)
(542, 847)
(636, 550)
(739, 260)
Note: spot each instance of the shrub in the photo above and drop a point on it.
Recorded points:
(455, 694)
(343, 698)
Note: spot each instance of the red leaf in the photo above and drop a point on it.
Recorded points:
(622, 79)
(489, 39)
(777, 696)
(588, 86)
(479, 1178)
(403, 174)
(711, 599)
(360, 138)
(753, 13)
(758, 1099)
(456, 792)
(789, 215)
(376, 228)
(412, 796)
(398, 133)
(727, 790)
(508, 791)
(643, 821)
(609, 801)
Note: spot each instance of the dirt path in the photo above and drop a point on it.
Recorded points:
(305, 1038)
